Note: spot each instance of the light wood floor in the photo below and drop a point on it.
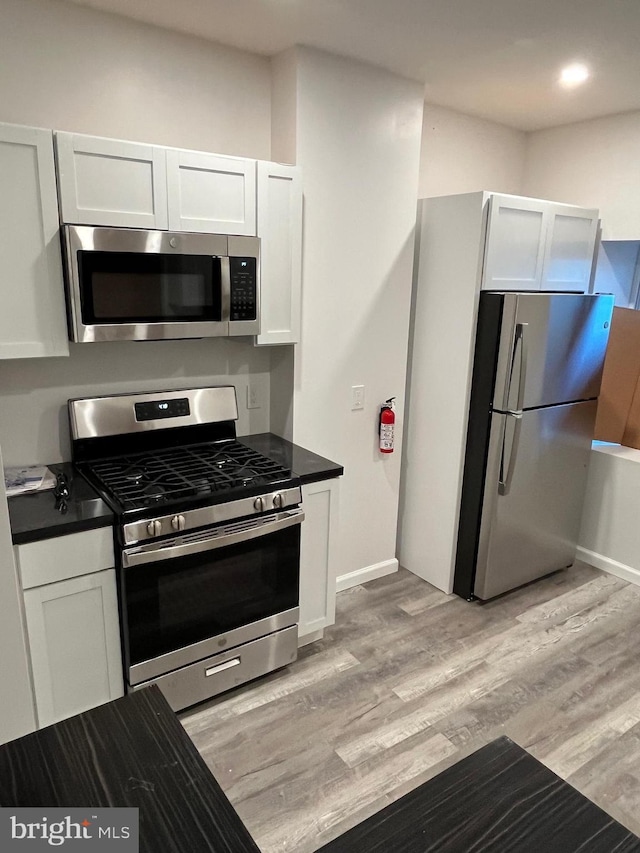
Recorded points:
(410, 680)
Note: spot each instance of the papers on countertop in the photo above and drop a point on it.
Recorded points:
(29, 478)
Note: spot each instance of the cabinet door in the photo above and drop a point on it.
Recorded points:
(515, 247)
(32, 320)
(317, 556)
(111, 182)
(280, 231)
(570, 248)
(211, 194)
(74, 640)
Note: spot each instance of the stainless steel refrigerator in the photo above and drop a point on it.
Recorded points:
(536, 378)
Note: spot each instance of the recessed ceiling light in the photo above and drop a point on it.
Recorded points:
(573, 75)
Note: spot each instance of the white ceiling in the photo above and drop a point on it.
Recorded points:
(498, 59)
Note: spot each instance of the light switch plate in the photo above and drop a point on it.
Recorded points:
(357, 397)
(253, 398)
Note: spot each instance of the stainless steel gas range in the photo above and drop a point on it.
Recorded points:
(207, 539)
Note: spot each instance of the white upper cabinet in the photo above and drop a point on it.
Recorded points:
(515, 244)
(211, 194)
(32, 320)
(111, 182)
(571, 239)
(280, 230)
(533, 244)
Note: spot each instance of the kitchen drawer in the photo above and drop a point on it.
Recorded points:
(65, 557)
(226, 670)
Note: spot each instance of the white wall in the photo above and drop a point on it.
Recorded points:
(616, 271)
(34, 425)
(462, 154)
(73, 68)
(610, 534)
(594, 164)
(358, 143)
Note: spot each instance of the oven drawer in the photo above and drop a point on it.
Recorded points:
(214, 675)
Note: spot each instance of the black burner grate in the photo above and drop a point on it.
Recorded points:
(148, 479)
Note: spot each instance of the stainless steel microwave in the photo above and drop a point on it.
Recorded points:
(132, 285)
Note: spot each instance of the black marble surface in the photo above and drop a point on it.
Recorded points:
(498, 800)
(310, 467)
(131, 752)
(37, 516)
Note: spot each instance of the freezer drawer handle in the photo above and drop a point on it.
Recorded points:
(504, 483)
(519, 339)
(214, 670)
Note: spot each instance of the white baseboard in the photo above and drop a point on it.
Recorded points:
(368, 573)
(612, 567)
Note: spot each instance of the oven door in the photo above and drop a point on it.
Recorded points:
(126, 284)
(187, 598)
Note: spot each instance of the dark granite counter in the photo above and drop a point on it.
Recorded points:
(38, 516)
(310, 467)
(131, 752)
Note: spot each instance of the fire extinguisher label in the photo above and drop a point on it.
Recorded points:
(386, 436)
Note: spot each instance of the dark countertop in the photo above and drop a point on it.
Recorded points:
(132, 752)
(500, 799)
(36, 516)
(310, 467)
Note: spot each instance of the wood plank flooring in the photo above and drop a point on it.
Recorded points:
(410, 680)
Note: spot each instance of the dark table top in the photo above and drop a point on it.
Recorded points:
(37, 516)
(131, 752)
(498, 800)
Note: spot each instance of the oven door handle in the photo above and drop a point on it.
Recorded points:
(171, 548)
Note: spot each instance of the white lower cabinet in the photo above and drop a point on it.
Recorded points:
(74, 642)
(72, 623)
(317, 558)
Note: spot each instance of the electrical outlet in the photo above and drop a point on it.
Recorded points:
(357, 397)
(253, 399)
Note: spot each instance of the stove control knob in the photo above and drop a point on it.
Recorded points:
(178, 522)
(277, 500)
(154, 527)
(259, 504)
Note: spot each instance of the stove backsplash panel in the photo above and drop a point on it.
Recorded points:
(34, 425)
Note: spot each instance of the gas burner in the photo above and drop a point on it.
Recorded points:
(173, 474)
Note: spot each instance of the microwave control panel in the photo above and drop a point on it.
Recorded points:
(244, 289)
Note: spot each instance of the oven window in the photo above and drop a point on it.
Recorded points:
(174, 603)
(131, 287)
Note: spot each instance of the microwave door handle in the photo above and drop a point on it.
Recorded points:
(225, 289)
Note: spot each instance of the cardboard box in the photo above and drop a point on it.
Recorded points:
(618, 417)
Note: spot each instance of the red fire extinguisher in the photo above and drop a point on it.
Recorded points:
(386, 425)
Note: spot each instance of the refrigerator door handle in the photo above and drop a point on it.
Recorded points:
(504, 483)
(519, 342)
